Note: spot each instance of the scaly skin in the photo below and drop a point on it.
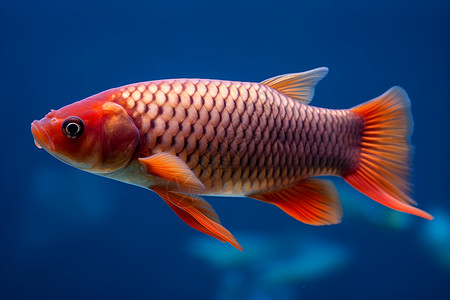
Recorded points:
(238, 138)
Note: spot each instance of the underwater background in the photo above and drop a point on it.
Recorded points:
(67, 234)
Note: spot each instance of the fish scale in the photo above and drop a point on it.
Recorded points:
(242, 138)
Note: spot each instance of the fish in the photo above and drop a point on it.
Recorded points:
(187, 138)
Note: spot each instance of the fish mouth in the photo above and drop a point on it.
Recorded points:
(41, 138)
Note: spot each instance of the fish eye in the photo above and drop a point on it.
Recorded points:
(73, 127)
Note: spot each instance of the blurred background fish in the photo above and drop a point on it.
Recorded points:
(271, 267)
(436, 238)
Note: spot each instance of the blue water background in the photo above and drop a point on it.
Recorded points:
(66, 234)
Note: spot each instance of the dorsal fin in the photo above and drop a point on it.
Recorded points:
(299, 86)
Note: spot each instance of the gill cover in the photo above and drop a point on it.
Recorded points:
(119, 139)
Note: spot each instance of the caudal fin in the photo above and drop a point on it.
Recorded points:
(384, 168)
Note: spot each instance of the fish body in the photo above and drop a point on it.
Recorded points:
(240, 138)
(187, 137)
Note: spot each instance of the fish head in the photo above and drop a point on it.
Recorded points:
(92, 135)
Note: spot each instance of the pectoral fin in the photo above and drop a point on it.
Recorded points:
(198, 214)
(312, 201)
(172, 168)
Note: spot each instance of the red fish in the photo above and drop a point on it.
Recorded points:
(187, 137)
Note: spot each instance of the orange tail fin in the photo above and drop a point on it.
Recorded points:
(383, 171)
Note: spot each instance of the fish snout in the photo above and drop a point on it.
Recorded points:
(41, 137)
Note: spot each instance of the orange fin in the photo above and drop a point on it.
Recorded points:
(299, 86)
(312, 201)
(198, 214)
(384, 168)
(172, 168)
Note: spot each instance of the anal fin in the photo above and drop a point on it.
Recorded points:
(198, 214)
(311, 201)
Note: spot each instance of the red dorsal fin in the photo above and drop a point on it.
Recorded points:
(311, 201)
(198, 214)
